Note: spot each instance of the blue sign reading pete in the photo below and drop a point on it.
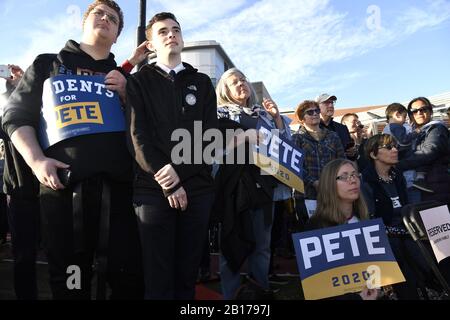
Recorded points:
(338, 260)
(78, 105)
(279, 157)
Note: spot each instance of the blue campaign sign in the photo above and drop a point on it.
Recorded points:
(338, 260)
(279, 157)
(78, 105)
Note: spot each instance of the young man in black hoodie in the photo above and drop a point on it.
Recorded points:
(172, 199)
(91, 213)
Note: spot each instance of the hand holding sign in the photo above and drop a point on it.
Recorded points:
(369, 294)
(115, 81)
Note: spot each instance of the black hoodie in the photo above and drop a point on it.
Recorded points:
(88, 155)
(156, 107)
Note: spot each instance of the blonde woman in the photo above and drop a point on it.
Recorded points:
(339, 196)
(339, 202)
(245, 197)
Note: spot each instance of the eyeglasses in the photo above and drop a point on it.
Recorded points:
(100, 14)
(421, 110)
(329, 102)
(312, 112)
(389, 146)
(348, 177)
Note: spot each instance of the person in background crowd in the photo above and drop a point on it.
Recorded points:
(326, 103)
(319, 145)
(340, 202)
(385, 193)
(354, 126)
(172, 198)
(396, 115)
(22, 189)
(91, 213)
(430, 150)
(245, 197)
(3, 211)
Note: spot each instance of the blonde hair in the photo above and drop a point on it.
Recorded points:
(223, 93)
(328, 212)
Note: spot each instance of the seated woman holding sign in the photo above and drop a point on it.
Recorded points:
(385, 191)
(339, 202)
(244, 201)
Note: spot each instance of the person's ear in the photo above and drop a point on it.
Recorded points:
(372, 155)
(150, 46)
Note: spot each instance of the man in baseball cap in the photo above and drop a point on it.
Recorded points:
(326, 103)
(325, 97)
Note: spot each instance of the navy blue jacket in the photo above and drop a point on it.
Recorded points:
(430, 155)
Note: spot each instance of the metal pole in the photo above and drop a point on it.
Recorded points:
(141, 27)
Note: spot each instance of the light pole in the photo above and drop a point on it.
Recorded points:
(141, 27)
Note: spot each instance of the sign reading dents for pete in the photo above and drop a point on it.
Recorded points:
(343, 259)
(279, 157)
(437, 223)
(78, 105)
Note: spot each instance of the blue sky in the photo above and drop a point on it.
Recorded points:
(365, 52)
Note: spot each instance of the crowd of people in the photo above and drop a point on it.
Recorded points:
(120, 201)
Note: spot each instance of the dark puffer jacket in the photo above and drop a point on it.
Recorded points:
(430, 154)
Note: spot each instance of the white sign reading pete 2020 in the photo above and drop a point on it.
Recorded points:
(437, 223)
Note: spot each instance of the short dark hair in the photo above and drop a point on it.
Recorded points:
(374, 143)
(425, 101)
(393, 108)
(110, 3)
(302, 107)
(347, 115)
(158, 17)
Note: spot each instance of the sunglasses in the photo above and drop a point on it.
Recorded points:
(421, 110)
(312, 112)
(389, 146)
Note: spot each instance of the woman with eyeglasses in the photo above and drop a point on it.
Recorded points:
(320, 146)
(384, 190)
(340, 202)
(245, 197)
(430, 150)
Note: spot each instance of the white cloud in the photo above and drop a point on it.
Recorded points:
(283, 45)
(415, 19)
(280, 43)
(6, 8)
(49, 35)
(193, 14)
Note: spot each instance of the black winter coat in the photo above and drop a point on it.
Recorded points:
(378, 202)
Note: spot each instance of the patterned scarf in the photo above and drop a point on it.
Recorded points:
(233, 112)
